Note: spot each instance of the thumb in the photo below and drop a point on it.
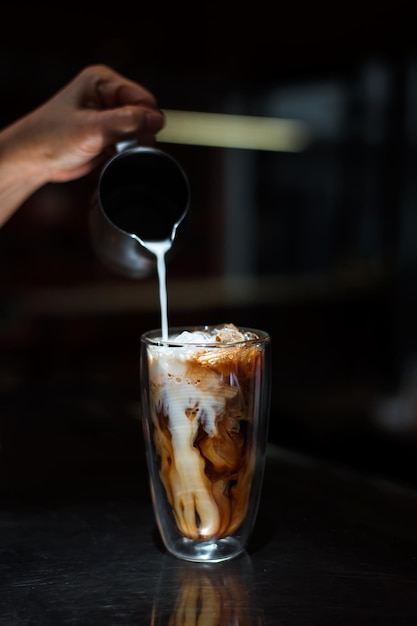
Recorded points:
(129, 120)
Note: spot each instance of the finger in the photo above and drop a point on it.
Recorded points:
(115, 90)
(131, 93)
(129, 120)
(100, 87)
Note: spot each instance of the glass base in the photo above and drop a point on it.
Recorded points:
(206, 551)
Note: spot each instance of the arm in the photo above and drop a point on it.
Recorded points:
(73, 133)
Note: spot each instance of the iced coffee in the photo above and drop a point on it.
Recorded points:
(206, 403)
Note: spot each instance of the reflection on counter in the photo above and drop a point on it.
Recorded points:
(197, 594)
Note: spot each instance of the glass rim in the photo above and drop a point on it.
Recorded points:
(154, 337)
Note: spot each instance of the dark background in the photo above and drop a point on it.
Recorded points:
(323, 240)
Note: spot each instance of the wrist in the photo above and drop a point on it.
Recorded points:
(21, 151)
(21, 172)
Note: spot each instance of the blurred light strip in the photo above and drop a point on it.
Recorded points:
(234, 131)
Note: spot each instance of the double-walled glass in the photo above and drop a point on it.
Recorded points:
(205, 410)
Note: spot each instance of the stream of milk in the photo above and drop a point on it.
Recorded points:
(159, 249)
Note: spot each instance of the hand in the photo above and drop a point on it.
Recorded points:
(73, 133)
(99, 107)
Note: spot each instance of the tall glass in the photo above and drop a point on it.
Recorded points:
(205, 411)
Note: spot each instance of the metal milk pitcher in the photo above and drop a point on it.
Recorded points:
(143, 195)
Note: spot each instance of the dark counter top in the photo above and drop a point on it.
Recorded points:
(329, 547)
